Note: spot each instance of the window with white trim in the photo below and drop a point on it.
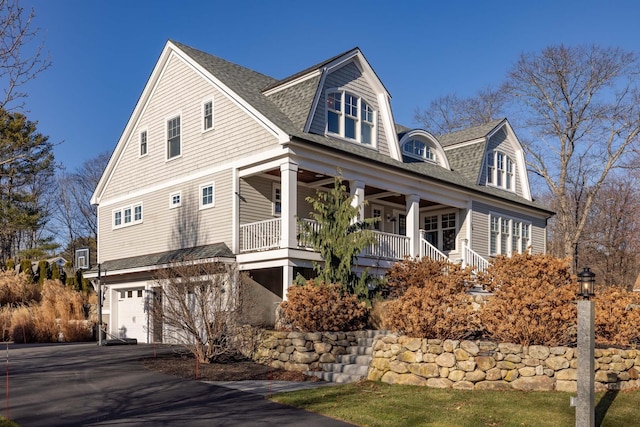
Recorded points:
(508, 236)
(277, 199)
(127, 215)
(143, 143)
(207, 114)
(500, 170)
(419, 149)
(440, 230)
(174, 144)
(175, 200)
(350, 117)
(376, 212)
(207, 196)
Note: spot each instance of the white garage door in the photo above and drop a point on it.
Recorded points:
(132, 320)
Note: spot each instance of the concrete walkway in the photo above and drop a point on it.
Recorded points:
(267, 388)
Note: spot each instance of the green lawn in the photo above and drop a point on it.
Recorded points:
(378, 404)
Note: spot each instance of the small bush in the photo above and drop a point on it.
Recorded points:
(11, 265)
(323, 307)
(26, 269)
(5, 323)
(433, 302)
(76, 331)
(622, 305)
(532, 301)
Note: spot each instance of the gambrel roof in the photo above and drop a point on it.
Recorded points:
(285, 107)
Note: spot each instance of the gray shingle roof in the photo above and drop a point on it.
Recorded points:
(288, 109)
(468, 134)
(216, 250)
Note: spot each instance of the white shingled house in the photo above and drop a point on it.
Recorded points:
(216, 160)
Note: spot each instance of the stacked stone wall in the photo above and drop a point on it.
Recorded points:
(303, 351)
(485, 365)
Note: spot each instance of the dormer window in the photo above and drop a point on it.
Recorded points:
(350, 117)
(419, 149)
(500, 170)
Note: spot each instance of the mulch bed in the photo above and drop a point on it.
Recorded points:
(231, 369)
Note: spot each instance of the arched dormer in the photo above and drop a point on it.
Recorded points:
(420, 145)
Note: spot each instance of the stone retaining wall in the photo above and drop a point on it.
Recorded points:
(485, 365)
(303, 351)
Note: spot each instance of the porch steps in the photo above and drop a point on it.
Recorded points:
(350, 367)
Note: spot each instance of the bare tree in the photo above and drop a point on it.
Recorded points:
(198, 303)
(611, 239)
(581, 106)
(19, 61)
(450, 113)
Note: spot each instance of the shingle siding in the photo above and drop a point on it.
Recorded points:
(182, 90)
(350, 78)
(480, 227)
(256, 203)
(499, 142)
(164, 228)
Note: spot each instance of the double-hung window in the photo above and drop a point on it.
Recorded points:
(143, 143)
(350, 117)
(277, 199)
(207, 115)
(508, 236)
(174, 145)
(500, 170)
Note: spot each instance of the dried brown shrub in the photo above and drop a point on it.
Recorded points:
(5, 323)
(17, 288)
(317, 307)
(413, 272)
(532, 302)
(76, 331)
(617, 316)
(433, 302)
(23, 328)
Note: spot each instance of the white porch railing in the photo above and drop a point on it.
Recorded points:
(260, 236)
(303, 241)
(471, 258)
(265, 235)
(388, 246)
(430, 251)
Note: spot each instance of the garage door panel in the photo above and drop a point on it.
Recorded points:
(132, 319)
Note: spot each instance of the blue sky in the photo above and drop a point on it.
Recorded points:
(104, 51)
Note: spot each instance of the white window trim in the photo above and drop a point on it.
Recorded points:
(276, 186)
(140, 132)
(343, 114)
(133, 221)
(213, 195)
(493, 171)
(175, 205)
(428, 146)
(439, 229)
(508, 252)
(166, 136)
(379, 225)
(213, 116)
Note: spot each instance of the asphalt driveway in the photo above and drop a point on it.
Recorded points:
(86, 385)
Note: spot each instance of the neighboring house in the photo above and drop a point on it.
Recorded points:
(216, 161)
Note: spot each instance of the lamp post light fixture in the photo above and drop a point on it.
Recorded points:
(587, 280)
(585, 401)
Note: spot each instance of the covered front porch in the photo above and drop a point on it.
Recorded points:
(266, 235)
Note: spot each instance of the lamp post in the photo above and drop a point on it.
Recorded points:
(585, 401)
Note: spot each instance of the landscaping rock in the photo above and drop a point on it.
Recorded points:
(533, 383)
(539, 352)
(446, 359)
(427, 370)
(470, 347)
(492, 385)
(439, 382)
(485, 363)
(556, 363)
(463, 385)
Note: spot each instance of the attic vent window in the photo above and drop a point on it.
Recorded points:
(419, 149)
(350, 117)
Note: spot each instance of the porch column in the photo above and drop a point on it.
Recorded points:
(289, 210)
(235, 212)
(287, 280)
(357, 192)
(413, 224)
